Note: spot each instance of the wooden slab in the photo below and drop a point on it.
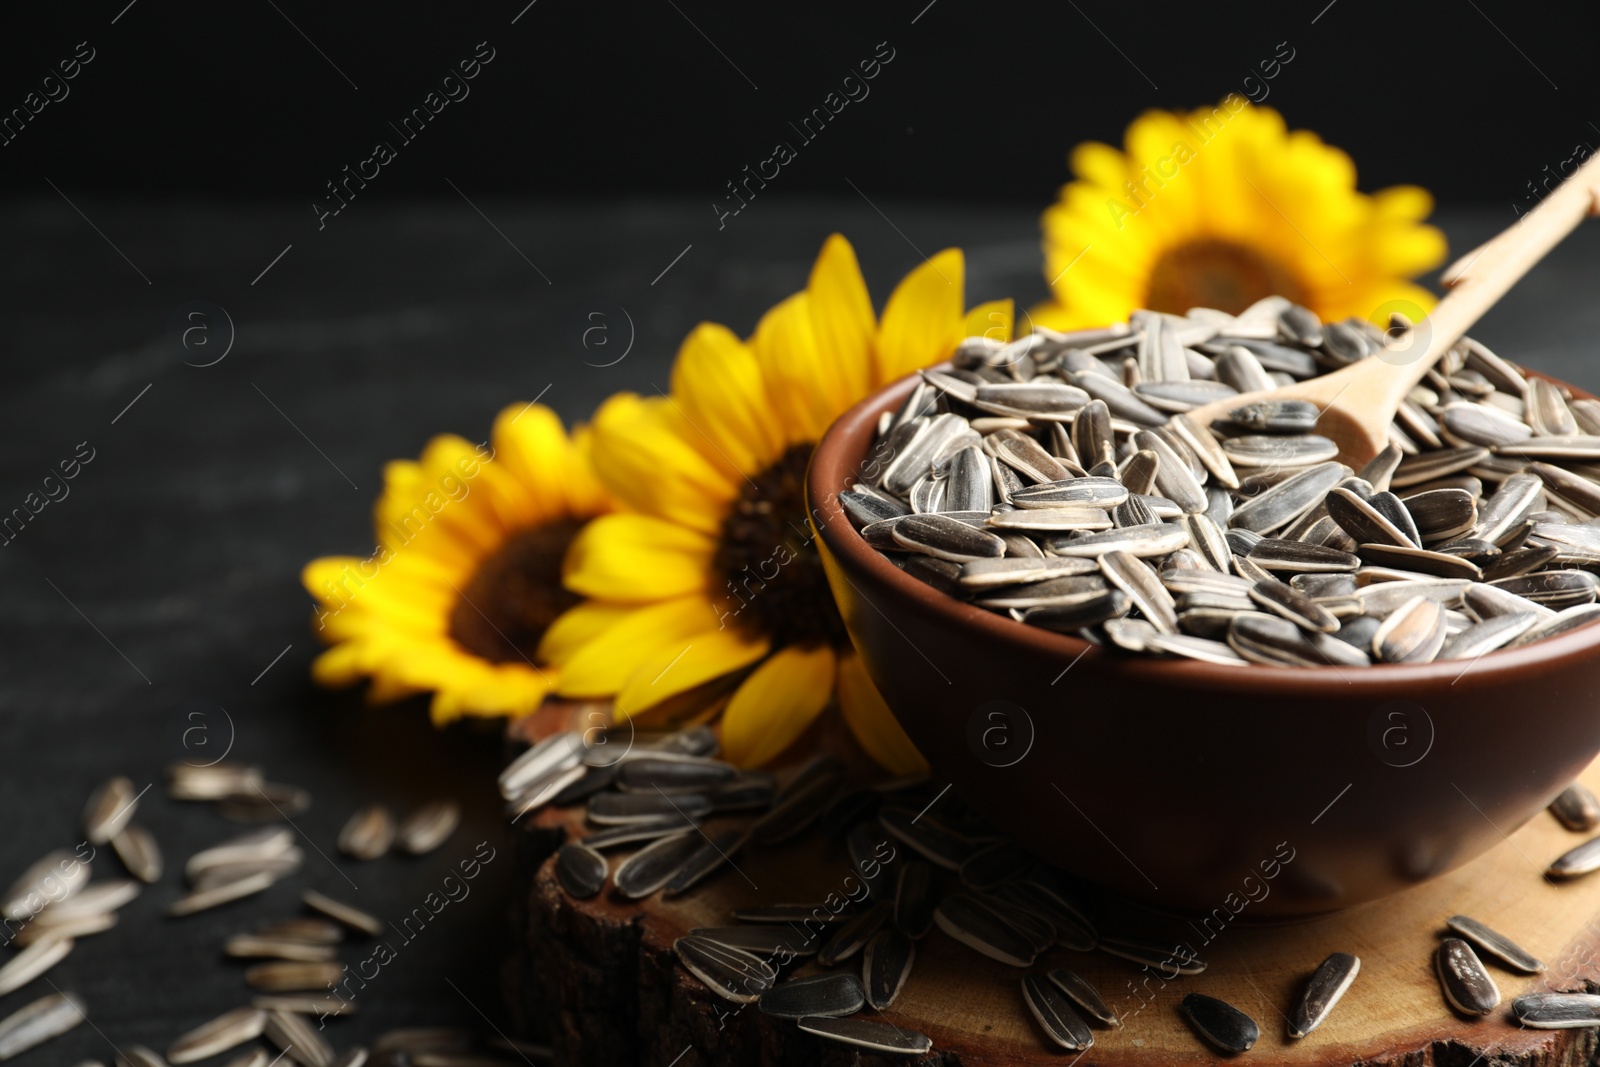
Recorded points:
(602, 973)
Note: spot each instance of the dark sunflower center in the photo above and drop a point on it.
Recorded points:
(515, 595)
(769, 576)
(1217, 274)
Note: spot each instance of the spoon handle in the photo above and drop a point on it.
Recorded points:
(1479, 279)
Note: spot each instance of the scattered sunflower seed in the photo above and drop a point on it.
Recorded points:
(294, 1036)
(1220, 1023)
(31, 962)
(885, 966)
(137, 849)
(368, 833)
(863, 1033)
(429, 827)
(581, 870)
(224, 1032)
(1557, 1011)
(40, 1021)
(1577, 808)
(830, 995)
(354, 918)
(1496, 944)
(109, 810)
(1466, 985)
(1322, 992)
(1055, 1014)
(731, 973)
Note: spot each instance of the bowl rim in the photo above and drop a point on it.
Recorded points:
(831, 470)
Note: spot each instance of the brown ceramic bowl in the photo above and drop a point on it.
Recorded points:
(1269, 792)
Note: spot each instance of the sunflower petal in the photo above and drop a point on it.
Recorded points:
(642, 456)
(776, 703)
(923, 320)
(872, 723)
(718, 385)
(633, 558)
(683, 665)
(600, 668)
(577, 627)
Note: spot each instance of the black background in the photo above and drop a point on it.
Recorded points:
(184, 164)
(1468, 97)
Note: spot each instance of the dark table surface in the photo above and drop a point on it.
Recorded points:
(167, 581)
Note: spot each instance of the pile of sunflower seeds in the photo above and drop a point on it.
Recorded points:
(1058, 480)
(917, 871)
(58, 904)
(686, 816)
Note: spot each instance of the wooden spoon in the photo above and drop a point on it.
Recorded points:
(1359, 402)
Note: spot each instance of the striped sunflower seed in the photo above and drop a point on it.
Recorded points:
(1056, 1014)
(51, 880)
(109, 810)
(136, 847)
(1332, 978)
(226, 1031)
(1495, 944)
(1083, 993)
(39, 1021)
(962, 917)
(31, 962)
(354, 918)
(653, 866)
(293, 1035)
(821, 995)
(863, 1033)
(1576, 808)
(252, 946)
(227, 892)
(885, 965)
(289, 976)
(580, 869)
(429, 826)
(762, 941)
(1557, 1011)
(853, 934)
(1466, 985)
(368, 833)
(732, 974)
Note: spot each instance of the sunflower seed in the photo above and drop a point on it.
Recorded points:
(1553, 589)
(1557, 1011)
(1280, 554)
(1270, 450)
(1056, 1014)
(1414, 470)
(1285, 600)
(915, 897)
(617, 809)
(867, 508)
(290, 976)
(1032, 400)
(1157, 539)
(983, 573)
(1467, 986)
(137, 849)
(213, 896)
(1322, 992)
(1219, 1022)
(1467, 424)
(885, 966)
(226, 1031)
(429, 826)
(1084, 995)
(109, 810)
(654, 865)
(31, 962)
(674, 776)
(762, 941)
(1120, 401)
(94, 899)
(1103, 493)
(730, 973)
(580, 869)
(139, 1056)
(1576, 808)
(1144, 589)
(1289, 499)
(251, 847)
(553, 755)
(709, 857)
(354, 918)
(1076, 616)
(945, 538)
(256, 1057)
(269, 802)
(826, 995)
(877, 1037)
(1495, 944)
(1154, 953)
(788, 913)
(962, 917)
(255, 946)
(217, 781)
(40, 1021)
(293, 1035)
(1560, 623)
(50, 880)
(305, 931)
(1051, 519)
(304, 1005)
(1414, 633)
(39, 930)
(1486, 636)
(853, 934)
(368, 833)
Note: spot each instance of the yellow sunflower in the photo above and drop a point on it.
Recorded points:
(465, 580)
(707, 592)
(1220, 207)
